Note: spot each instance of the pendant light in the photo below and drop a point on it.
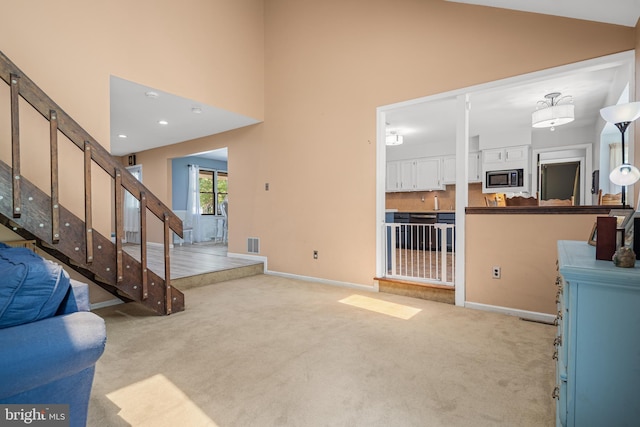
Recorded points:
(552, 112)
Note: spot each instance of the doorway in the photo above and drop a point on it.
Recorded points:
(560, 181)
(132, 210)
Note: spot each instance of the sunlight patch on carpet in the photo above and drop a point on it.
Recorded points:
(158, 402)
(379, 306)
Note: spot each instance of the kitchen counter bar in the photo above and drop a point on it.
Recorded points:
(541, 210)
(431, 212)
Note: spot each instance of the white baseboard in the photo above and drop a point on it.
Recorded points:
(108, 303)
(524, 314)
(325, 281)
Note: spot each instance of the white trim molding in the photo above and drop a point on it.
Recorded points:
(524, 314)
(373, 288)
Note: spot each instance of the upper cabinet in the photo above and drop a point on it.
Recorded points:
(421, 174)
(428, 176)
(449, 169)
(508, 155)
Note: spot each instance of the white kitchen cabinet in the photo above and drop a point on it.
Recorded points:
(408, 175)
(475, 167)
(449, 169)
(428, 174)
(393, 176)
(414, 175)
(401, 175)
(506, 155)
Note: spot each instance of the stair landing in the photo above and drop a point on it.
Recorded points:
(198, 264)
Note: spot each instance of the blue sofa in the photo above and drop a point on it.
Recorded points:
(49, 340)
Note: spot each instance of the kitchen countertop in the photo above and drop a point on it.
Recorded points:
(504, 210)
(422, 212)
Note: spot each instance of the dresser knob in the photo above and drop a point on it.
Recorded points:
(555, 355)
(556, 393)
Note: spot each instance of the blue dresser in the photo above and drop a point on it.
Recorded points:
(597, 346)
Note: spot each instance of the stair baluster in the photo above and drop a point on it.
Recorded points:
(55, 194)
(15, 145)
(88, 209)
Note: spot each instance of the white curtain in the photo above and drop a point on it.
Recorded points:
(192, 217)
(131, 221)
(615, 160)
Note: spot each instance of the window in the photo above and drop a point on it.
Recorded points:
(221, 187)
(213, 191)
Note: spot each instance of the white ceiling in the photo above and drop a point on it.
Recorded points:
(620, 12)
(506, 108)
(136, 115)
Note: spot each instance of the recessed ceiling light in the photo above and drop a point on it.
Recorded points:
(196, 110)
(163, 122)
(122, 135)
(151, 94)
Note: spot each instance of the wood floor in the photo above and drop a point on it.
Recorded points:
(190, 259)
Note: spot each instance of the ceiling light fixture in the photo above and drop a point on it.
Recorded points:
(394, 139)
(551, 113)
(621, 116)
(196, 110)
(163, 122)
(122, 135)
(151, 94)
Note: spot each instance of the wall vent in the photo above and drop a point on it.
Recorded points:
(253, 245)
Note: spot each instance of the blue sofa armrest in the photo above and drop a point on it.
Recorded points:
(76, 299)
(39, 353)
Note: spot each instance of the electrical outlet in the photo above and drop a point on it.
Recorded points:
(496, 272)
(315, 254)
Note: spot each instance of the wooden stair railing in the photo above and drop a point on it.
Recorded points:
(33, 214)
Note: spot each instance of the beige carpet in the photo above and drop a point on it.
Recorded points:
(269, 351)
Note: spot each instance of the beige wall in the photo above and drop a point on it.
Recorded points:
(525, 247)
(325, 67)
(211, 51)
(330, 64)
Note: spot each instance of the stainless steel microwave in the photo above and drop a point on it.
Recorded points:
(505, 178)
